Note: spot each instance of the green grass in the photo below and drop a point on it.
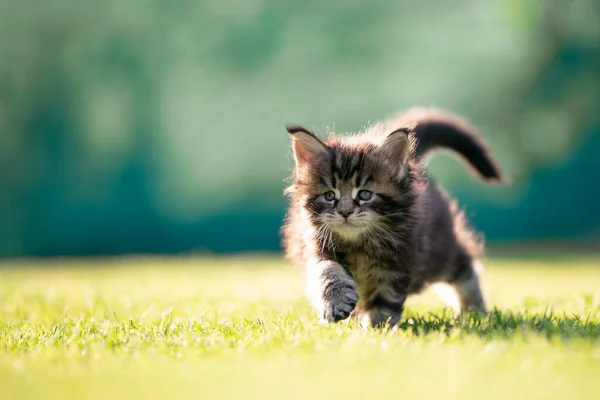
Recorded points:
(240, 328)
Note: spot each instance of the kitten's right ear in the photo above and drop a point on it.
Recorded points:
(306, 145)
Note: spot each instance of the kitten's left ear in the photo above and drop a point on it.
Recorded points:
(396, 145)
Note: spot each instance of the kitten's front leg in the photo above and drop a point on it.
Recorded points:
(331, 290)
(385, 303)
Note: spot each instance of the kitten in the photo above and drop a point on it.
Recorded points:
(370, 228)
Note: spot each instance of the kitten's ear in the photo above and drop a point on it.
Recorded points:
(396, 145)
(306, 144)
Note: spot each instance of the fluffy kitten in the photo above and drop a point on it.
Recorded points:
(370, 228)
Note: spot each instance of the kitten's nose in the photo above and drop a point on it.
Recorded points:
(345, 206)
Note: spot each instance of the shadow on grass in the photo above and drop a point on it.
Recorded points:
(500, 324)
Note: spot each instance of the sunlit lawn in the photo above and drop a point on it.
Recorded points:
(239, 327)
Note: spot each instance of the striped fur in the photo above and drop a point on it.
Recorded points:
(370, 229)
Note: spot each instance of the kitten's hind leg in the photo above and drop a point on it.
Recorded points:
(468, 288)
(463, 292)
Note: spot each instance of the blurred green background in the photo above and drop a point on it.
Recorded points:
(157, 126)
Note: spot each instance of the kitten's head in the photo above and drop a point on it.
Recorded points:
(357, 186)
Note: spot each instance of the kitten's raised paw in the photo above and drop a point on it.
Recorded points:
(339, 300)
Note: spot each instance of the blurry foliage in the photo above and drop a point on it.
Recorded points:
(157, 126)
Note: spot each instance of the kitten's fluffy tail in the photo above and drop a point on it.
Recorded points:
(438, 129)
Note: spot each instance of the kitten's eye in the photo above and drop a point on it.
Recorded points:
(329, 196)
(365, 195)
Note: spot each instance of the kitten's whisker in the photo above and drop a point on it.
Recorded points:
(392, 235)
(377, 236)
(332, 241)
(396, 214)
(319, 235)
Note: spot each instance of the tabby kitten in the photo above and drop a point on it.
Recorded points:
(370, 228)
